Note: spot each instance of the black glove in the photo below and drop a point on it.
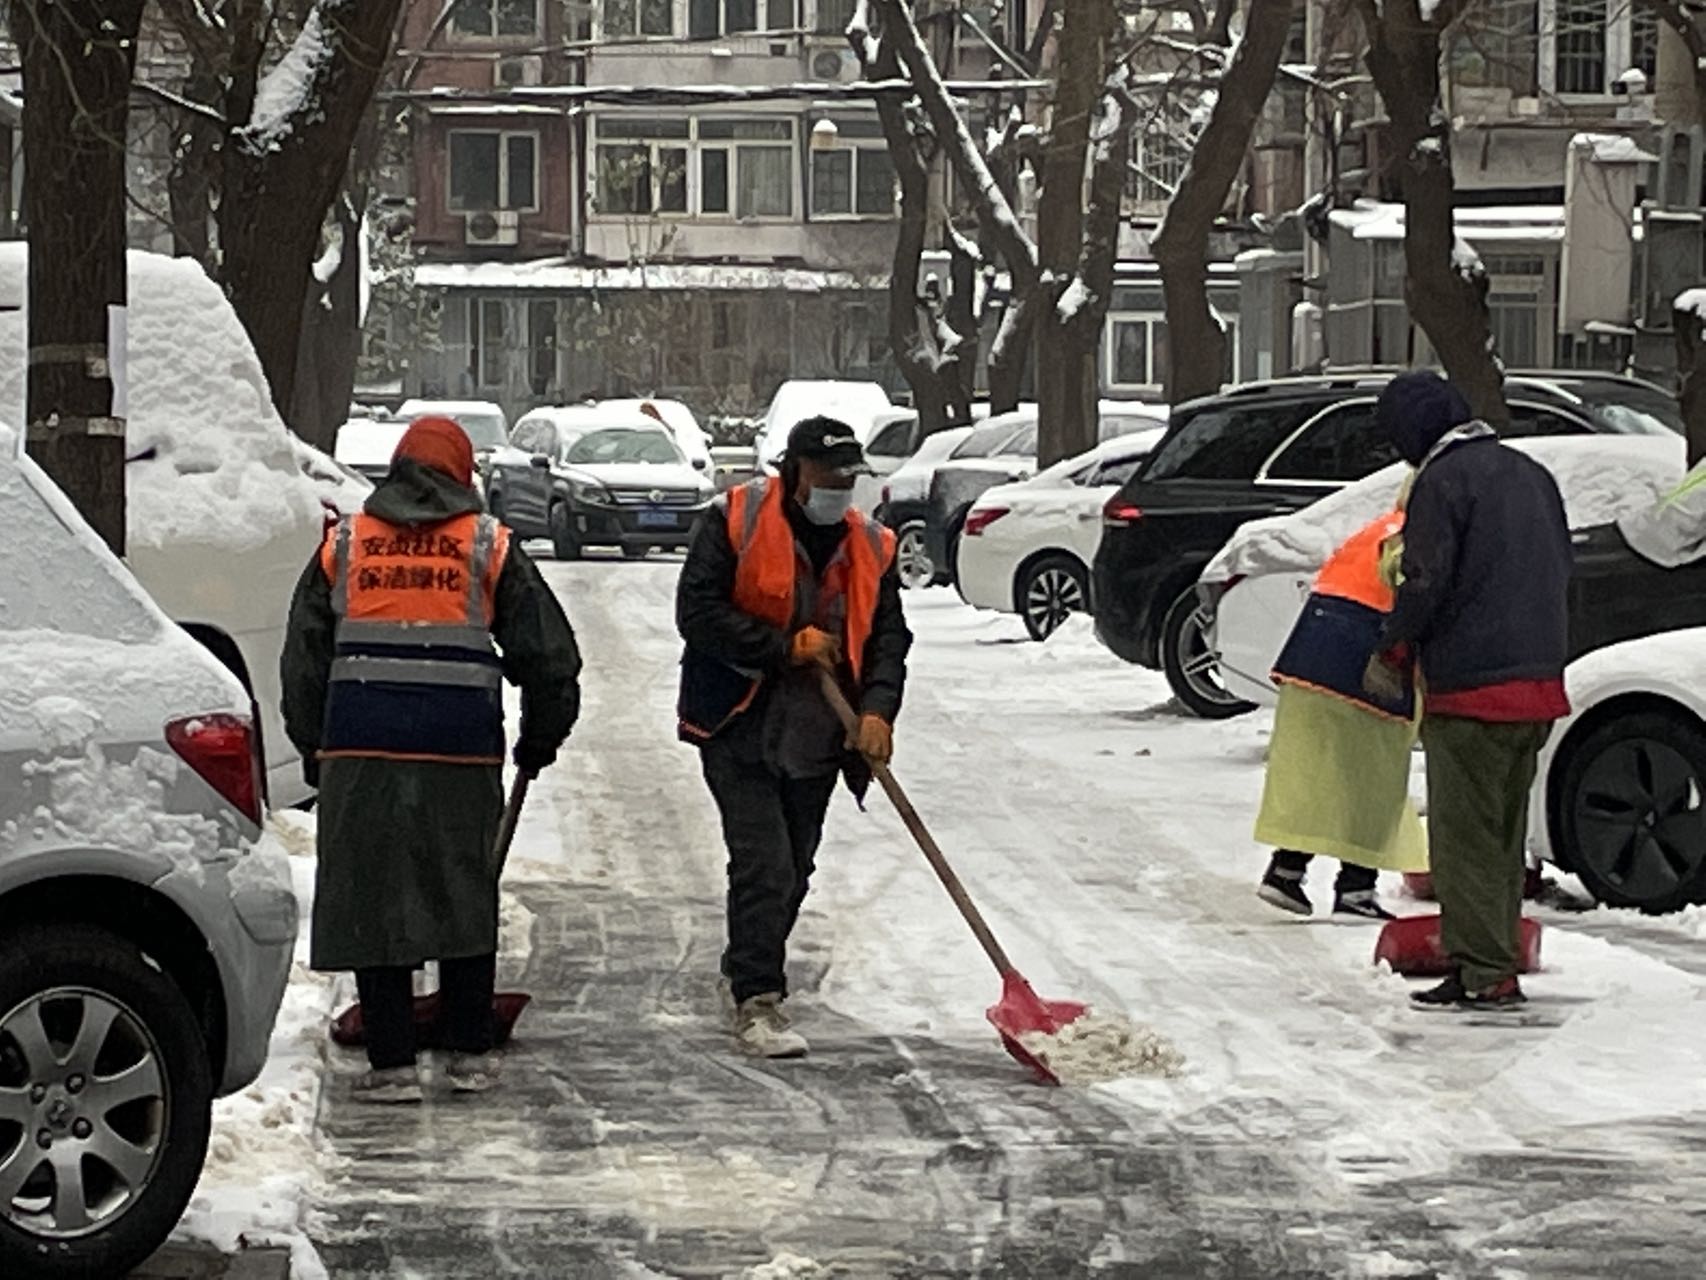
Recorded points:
(533, 758)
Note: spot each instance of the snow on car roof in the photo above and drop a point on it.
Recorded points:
(1602, 477)
(211, 458)
(414, 408)
(368, 442)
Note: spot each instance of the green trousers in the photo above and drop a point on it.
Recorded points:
(1479, 775)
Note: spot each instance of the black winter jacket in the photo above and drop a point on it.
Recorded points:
(1486, 570)
(788, 726)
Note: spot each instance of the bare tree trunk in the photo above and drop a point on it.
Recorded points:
(189, 184)
(1010, 356)
(1444, 286)
(280, 176)
(78, 58)
(1682, 17)
(1066, 362)
(1196, 346)
(1690, 327)
(331, 340)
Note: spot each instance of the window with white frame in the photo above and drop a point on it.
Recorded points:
(692, 167)
(638, 17)
(1137, 350)
(1586, 46)
(1497, 46)
(707, 19)
(854, 179)
(493, 169)
(495, 19)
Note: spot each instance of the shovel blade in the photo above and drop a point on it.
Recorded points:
(1021, 1012)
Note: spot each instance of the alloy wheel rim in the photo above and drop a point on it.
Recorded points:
(1640, 818)
(1197, 661)
(914, 566)
(83, 1112)
(1053, 596)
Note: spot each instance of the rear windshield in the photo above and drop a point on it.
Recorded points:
(1224, 441)
(993, 438)
(1631, 409)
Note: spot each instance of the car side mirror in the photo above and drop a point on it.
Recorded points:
(699, 464)
(541, 461)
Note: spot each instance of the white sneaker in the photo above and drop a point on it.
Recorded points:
(472, 1072)
(392, 1086)
(761, 1029)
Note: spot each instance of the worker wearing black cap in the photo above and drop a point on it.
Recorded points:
(785, 579)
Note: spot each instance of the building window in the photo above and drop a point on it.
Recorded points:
(487, 353)
(1160, 152)
(638, 17)
(1516, 313)
(834, 16)
(853, 182)
(542, 343)
(1137, 350)
(693, 167)
(1579, 42)
(495, 19)
(707, 19)
(1497, 46)
(493, 170)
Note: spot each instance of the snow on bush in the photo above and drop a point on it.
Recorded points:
(211, 459)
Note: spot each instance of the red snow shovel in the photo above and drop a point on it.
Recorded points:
(1411, 945)
(348, 1029)
(1020, 1011)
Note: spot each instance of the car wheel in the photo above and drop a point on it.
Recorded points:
(1049, 592)
(105, 1103)
(1190, 665)
(563, 543)
(1631, 806)
(912, 561)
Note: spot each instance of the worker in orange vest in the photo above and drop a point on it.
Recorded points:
(785, 579)
(402, 631)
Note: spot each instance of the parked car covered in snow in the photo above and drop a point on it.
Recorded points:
(483, 421)
(858, 404)
(621, 482)
(220, 516)
(365, 445)
(1620, 799)
(1270, 448)
(693, 440)
(1027, 547)
(145, 941)
(1253, 591)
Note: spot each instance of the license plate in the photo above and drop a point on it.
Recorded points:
(657, 519)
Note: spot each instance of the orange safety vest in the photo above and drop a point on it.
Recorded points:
(1353, 571)
(774, 579)
(415, 673)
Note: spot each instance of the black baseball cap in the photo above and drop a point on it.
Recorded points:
(829, 442)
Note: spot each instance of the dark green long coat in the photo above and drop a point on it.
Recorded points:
(406, 871)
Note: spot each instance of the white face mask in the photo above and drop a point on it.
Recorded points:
(827, 506)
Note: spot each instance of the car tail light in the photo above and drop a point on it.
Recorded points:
(982, 518)
(1119, 513)
(223, 749)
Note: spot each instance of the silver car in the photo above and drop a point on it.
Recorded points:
(145, 937)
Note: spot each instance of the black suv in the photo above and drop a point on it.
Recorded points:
(1269, 448)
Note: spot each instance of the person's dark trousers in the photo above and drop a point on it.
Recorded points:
(1352, 878)
(1479, 776)
(772, 826)
(388, 1006)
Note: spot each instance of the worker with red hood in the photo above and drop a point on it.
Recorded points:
(402, 631)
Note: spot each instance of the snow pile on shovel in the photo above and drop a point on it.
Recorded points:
(1100, 1047)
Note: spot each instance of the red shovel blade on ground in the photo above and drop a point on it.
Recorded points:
(1411, 945)
(1020, 1011)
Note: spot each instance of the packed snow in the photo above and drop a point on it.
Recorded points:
(211, 461)
(1691, 302)
(1095, 1049)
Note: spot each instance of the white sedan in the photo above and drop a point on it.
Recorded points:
(1027, 547)
(1256, 586)
(1620, 799)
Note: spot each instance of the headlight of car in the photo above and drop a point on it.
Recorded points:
(595, 495)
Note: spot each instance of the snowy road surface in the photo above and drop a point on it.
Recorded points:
(1320, 1128)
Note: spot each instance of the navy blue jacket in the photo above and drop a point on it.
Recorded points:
(1486, 570)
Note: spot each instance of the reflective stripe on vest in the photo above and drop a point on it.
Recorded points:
(415, 674)
(774, 578)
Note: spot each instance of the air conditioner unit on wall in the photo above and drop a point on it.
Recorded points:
(500, 227)
(518, 72)
(834, 66)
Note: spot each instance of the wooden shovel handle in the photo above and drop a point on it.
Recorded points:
(932, 851)
(512, 815)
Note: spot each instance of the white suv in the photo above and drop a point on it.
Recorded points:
(145, 940)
